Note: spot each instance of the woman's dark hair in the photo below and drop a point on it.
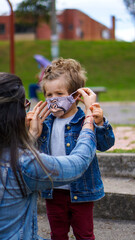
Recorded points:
(13, 132)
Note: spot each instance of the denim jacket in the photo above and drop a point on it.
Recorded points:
(18, 214)
(89, 187)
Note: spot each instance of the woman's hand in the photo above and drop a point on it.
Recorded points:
(89, 97)
(36, 117)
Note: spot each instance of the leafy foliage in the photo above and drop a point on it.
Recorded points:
(33, 11)
(130, 4)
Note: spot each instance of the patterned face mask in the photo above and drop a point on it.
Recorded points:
(57, 104)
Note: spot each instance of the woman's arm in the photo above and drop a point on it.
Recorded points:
(62, 169)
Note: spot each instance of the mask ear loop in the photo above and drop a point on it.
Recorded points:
(75, 93)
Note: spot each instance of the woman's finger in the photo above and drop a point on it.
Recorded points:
(37, 105)
(42, 106)
(87, 90)
(82, 92)
(36, 113)
(80, 99)
(44, 113)
(29, 115)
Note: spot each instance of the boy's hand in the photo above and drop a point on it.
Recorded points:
(97, 113)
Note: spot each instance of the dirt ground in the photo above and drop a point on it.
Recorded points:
(124, 138)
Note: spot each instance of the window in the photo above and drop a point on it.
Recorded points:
(81, 22)
(79, 33)
(59, 27)
(2, 28)
(24, 28)
(70, 26)
(105, 34)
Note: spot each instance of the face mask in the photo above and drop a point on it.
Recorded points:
(60, 104)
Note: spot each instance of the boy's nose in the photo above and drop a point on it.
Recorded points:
(54, 95)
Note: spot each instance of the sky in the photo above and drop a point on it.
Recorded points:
(99, 10)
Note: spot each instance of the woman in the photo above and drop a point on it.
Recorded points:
(23, 170)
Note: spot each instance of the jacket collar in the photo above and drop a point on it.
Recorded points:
(78, 116)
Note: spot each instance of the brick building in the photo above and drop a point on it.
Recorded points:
(71, 23)
(4, 27)
(74, 24)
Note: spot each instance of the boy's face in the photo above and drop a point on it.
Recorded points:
(58, 88)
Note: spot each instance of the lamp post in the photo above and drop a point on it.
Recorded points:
(54, 35)
(12, 65)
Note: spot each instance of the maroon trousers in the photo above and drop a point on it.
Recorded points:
(62, 214)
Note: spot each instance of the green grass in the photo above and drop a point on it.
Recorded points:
(119, 150)
(122, 125)
(108, 63)
(122, 151)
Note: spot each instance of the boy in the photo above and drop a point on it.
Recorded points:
(71, 205)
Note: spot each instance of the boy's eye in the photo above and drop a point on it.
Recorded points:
(48, 95)
(58, 94)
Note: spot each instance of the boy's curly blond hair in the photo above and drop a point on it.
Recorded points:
(74, 74)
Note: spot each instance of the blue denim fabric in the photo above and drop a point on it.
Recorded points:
(18, 215)
(89, 187)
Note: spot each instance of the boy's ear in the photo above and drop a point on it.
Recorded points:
(76, 94)
(44, 92)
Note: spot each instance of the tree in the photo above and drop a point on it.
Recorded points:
(130, 4)
(33, 11)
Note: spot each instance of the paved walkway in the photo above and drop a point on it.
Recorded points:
(120, 114)
(105, 229)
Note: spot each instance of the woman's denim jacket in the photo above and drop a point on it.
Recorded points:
(18, 214)
(88, 187)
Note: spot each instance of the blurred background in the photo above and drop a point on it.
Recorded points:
(99, 34)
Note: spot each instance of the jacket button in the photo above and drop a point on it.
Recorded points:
(68, 127)
(68, 144)
(75, 197)
(43, 137)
